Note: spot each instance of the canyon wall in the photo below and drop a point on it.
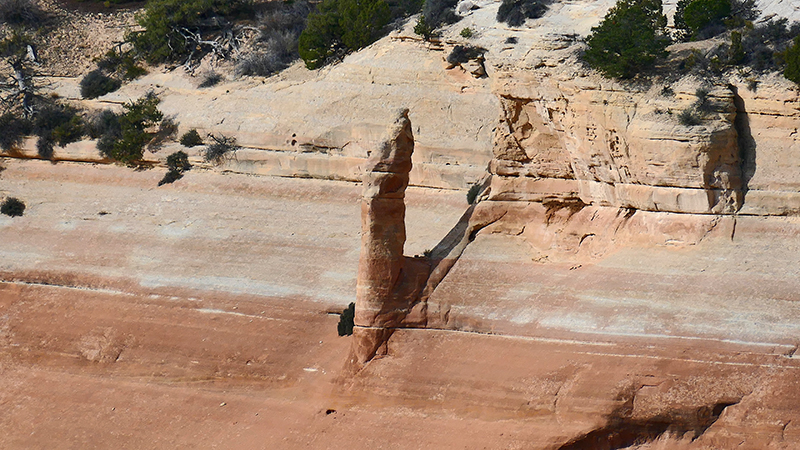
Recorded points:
(612, 145)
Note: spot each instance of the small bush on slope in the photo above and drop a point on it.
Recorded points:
(12, 207)
(191, 138)
(177, 163)
(125, 141)
(96, 84)
(515, 12)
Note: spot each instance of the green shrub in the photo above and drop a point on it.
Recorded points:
(191, 138)
(629, 40)
(177, 163)
(164, 20)
(14, 130)
(339, 26)
(96, 84)
(463, 53)
(321, 39)
(466, 33)
(123, 64)
(735, 54)
(792, 58)
(701, 19)
(126, 144)
(423, 29)
(12, 207)
(515, 12)
(347, 320)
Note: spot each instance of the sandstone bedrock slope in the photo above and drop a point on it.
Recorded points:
(624, 282)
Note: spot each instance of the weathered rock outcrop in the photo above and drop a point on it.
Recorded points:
(387, 280)
(619, 146)
(567, 134)
(614, 147)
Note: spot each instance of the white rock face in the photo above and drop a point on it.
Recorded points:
(557, 119)
(565, 133)
(323, 123)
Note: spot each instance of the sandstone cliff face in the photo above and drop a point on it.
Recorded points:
(617, 147)
(566, 133)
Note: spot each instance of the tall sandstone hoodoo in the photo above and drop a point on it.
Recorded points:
(387, 281)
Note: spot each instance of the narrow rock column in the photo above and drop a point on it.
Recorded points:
(381, 263)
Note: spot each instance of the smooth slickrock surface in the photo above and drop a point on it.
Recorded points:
(198, 316)
(624, 282)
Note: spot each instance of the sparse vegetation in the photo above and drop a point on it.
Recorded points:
(515, 12)
(629, 40)
(751, 50)
(106, 122)
(125, 136)
(177, 163)
(703, 19)
(347, 320)
(423, 29)
(14, 130)
(766, 45)
(120, 64)
(191, 138)
(694, 114)
(222, 146)
(689, 117)
(279, 27)
(440, 12)
(21, 12)
(12, 207)
(210, 79)
(173, 30)
(56, 124)
(463, 53)
(792, 71)
(112, 68)
(340, 26)
(96, 84)
(466, 33)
